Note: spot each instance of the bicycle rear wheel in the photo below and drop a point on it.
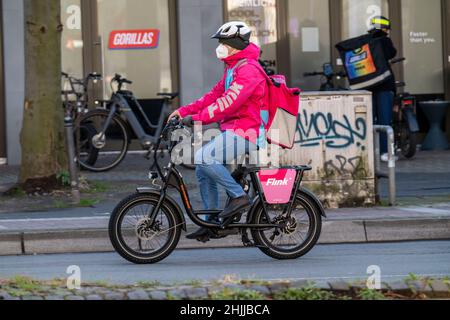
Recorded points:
(109, 149)
(298, 233)
(84, 135)
(408, 142)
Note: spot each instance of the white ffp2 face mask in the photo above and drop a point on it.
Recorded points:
(222, 52)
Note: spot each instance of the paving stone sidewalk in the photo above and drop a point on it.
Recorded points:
(238, 290)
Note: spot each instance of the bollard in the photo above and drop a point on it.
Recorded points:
(391, 159)
(74, 182)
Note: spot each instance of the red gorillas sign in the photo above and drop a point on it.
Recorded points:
(134, 39)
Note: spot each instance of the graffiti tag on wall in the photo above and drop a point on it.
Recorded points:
(312, 128)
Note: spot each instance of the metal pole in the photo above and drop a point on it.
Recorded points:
(391, 159)
(74, 183)
(377, 164)
(391, 166)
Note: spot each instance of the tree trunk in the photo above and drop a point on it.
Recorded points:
(42, 136)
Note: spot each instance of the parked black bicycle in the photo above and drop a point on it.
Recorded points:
(75, 92)
(328, 78)
(116, 123)
(405, 124)
(146, 227)
(75, 103)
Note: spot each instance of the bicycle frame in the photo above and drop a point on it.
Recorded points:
(119, 105)
(173, 178)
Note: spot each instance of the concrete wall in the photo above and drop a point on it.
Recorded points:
(199, 68)
(335, 136)
(14, 56)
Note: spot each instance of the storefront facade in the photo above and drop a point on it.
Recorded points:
(165, 46)
(295, 36)
(2, 97)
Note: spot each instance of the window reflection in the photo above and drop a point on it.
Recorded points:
(71, 40)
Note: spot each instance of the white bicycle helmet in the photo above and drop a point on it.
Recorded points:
(235, 34)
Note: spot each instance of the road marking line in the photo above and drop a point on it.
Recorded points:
(103, 214)
(54, 219)
(404, 276)
(426, 210)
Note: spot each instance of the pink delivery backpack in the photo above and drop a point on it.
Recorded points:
(283, 107)
(284, 104)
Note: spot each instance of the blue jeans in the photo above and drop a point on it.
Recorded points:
(383, 103)
(211, 171)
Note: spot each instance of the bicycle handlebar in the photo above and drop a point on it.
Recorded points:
(120, 81)
(313, 74)
(398, 60)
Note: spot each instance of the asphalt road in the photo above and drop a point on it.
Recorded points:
(324, 263)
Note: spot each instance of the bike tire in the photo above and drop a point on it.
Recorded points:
(127, 253)
(301, 250)
(410, 150)
(123, 152)
(86, 128)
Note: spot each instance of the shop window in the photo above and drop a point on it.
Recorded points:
(356, 15)
(135, 42)
(422, 45)
(261, 16)
(71, 41)
(309, 38)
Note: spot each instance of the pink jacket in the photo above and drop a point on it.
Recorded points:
(239, 108)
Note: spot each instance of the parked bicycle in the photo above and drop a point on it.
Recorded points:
(75, 103)
(328, 78)
(146, 227)
(116, 123)
(75, 92)
(405, 124)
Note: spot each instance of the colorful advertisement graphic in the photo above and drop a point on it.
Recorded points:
(359, 63)
(134, 39)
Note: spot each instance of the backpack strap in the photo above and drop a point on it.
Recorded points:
(240, 63)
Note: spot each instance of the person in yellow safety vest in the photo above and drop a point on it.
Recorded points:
(383, 94)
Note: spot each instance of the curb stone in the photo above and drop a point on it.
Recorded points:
(75, 298)
(299, 284)
(340, 286)
(260, 289)
(439, 286)
(407, 288)
(196, 293)
(399, 286)
(278, 287)
(138, 295)
(54, 298)
(322, 285)
(114, 296)
(335, 232)
(158, 295)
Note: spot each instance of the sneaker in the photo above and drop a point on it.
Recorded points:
(385, 157)
(235, 206)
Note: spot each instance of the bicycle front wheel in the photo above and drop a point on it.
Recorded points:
(138, 239)
(108, 148)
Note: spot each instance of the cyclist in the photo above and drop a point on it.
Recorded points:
(236, 103)
(383, 94)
